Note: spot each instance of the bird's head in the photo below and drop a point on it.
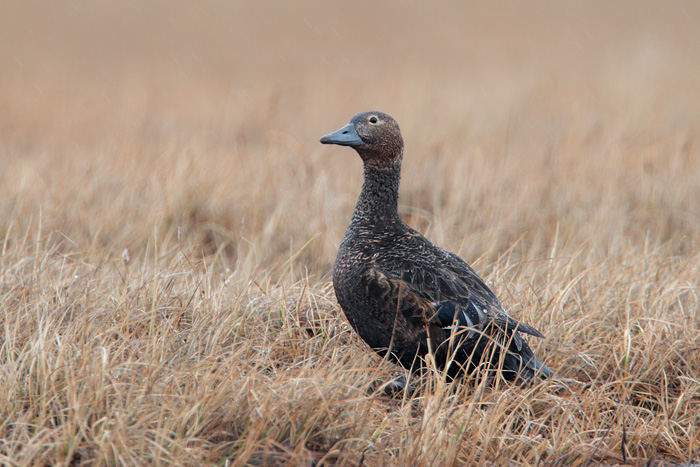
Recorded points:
(374, 135)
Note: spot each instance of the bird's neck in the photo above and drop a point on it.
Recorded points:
(378, 202)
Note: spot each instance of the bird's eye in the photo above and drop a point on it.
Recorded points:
(373, 119)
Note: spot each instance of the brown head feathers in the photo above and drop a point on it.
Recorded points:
(374, 135)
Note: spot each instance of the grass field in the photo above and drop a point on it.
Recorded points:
(168, 224)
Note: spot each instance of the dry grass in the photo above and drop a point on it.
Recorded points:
(168, 223)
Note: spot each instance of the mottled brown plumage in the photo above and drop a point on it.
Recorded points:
(406, 296)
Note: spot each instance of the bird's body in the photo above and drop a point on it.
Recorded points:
(405, 296)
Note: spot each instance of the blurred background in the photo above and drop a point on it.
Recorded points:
(201, 120)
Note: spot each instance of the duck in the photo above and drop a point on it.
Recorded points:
(408, 298)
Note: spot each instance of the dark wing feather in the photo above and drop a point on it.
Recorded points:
(459, 299)
(408, 317)
(436, 293)
(449, 314)
(441, 276)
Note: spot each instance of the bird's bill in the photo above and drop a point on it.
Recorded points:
(346, 136)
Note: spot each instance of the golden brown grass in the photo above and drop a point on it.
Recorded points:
(168, 223)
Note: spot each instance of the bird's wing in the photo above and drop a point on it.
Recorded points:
(454, 291)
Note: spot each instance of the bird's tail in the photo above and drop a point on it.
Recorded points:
(539, 369)
(525, 367)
